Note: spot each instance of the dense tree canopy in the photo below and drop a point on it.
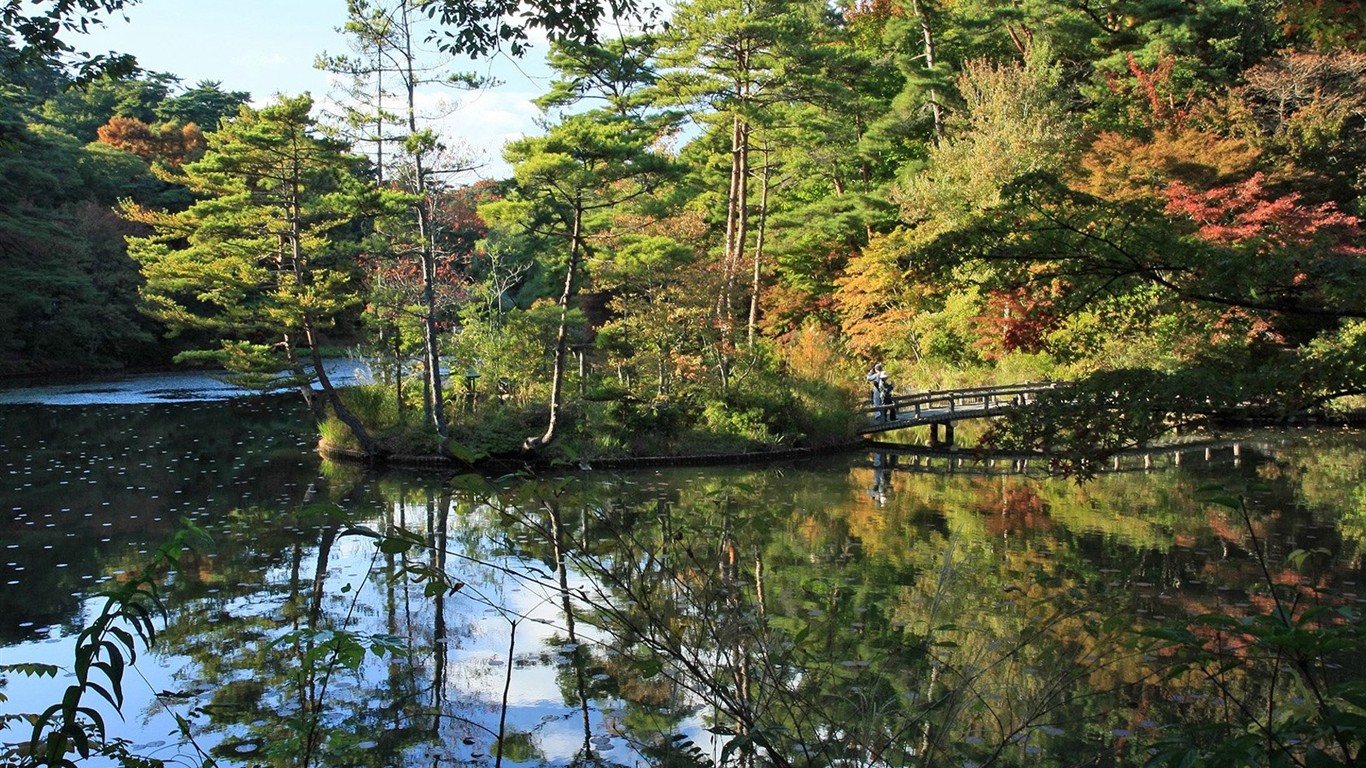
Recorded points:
(971, 191)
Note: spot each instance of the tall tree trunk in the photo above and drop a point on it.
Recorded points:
(736, 226)
(368, 445)
(759, 250)
(379, 119)
(440, 534)
(561, 336)
(300, 374)
(734, 210)
(435, 400)
(742, 210)
(927, 34)
(567, 605)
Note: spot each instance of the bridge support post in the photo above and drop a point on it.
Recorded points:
(948, 434)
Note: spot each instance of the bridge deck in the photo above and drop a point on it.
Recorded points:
(946, 407)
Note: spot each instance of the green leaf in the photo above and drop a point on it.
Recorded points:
(109, 697)
(463, 453)
(1218, 620)
(361, 531)
(31, 669)
(394, 546)
(648, 668)
(1231, 502)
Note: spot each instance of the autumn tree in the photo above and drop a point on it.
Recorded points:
(1252, 264)
(1012, 125)
(1309, 112)
(68, 291)
(730, 61)
(170, 142)
(387, 72)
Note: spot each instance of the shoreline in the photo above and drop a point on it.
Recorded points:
(436, 461)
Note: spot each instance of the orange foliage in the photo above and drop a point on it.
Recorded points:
(813, 353)
(1173, 148)
(874, 11)
(871, 296)
(1122, 168)
(172, 142)
(687, 227)
(1236, 323)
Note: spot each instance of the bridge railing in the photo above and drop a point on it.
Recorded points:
(975, 399)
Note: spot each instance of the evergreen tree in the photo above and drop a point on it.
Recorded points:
(568, 181)
(205, 105)
(263, 258)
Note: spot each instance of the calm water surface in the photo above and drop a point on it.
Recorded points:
(881, 608)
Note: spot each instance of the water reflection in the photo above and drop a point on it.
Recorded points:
(859, 609)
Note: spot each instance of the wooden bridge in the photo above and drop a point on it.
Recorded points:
(935, 409)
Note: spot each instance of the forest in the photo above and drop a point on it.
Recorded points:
(727, 217)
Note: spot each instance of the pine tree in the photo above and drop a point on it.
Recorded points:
(262, 258)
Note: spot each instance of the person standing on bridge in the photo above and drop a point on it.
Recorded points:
(875, 378)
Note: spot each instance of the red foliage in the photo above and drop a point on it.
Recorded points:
(1155, 90)
(1238, 323)
(456, 214)
(1018, 320)
(395, 282)
(1022, 511)
(1247, 212)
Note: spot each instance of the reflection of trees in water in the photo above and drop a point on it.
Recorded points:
(286, 663)
(103, 483)
(798, 664)
(1004, 643)
(797, 621)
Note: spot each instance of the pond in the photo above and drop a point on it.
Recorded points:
(894, 608)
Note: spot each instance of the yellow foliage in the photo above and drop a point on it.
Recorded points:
(872, 295)
(813, 353)
(1122, 168)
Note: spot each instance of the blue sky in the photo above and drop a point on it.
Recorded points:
(268, 46)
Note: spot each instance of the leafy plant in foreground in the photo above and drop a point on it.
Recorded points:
(105, 650)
